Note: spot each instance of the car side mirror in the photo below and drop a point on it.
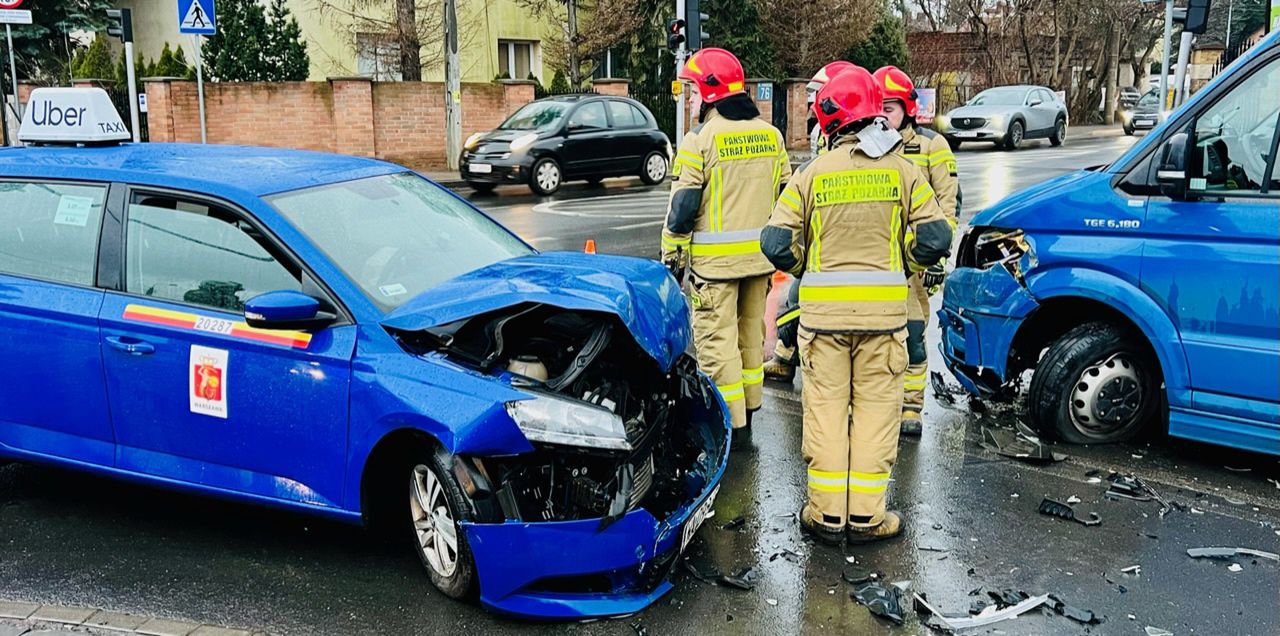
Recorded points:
(1037, 102)
(1171, 172)
(286, 309)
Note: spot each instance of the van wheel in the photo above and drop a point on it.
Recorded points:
(436, 505)
(1095, 385)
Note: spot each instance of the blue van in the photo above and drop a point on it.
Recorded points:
(1144, 291)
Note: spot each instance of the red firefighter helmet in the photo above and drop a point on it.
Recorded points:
(851, 96)
(717, 73)
(825, 74)
(897, 85)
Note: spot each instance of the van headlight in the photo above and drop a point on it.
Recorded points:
(523, 141)
(554, 420)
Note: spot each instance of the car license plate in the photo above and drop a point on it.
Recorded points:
(701, 514)
(1144, 122)
(480, 168)
(966, 135)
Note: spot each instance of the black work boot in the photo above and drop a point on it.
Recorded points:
(819, 532)
(889, 528)
(912, 424)
(740, 439)
(779, 370)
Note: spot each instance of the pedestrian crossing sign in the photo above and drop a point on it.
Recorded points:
(197, 17)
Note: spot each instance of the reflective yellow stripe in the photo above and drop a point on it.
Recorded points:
(870, 483)
(825, 487)
(869, 490)
(691, 157)
(681, 161)
(725, 249)
(921, 194)
(916, 268)
(828, 481)
(788, 317)
(791, 198)
(919, 160)
(673, 243)
(732, 392)
(857, 293)
(717, 212)
(895, 247)
(815, 250)
(753, 376)
(952, 222)
(914, 382)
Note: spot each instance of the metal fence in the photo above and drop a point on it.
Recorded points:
(663, 107)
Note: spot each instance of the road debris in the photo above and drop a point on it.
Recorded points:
(1235, 567)
(735, 524)
(858, 576)
(1156, 631)
(942, 391)
(639, 629)
(1276, 482)
(1133, 569)
(1238, 470)
(771, 601)
(697, 574)
(1073, 500)
(880, 599)
(1133, 487)
(988, 615)
(1227, 553)
(1079, 615)
(745, 579)
(1063, 511)
(1018, 444)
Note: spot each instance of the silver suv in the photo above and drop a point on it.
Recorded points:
(1007, 115)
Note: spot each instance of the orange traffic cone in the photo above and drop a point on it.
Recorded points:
(590, 247)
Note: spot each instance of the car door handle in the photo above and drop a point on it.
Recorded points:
(131, 346)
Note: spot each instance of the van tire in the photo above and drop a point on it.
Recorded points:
(1095, 372)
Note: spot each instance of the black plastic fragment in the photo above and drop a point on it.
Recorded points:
(880, 599)
(977, 606)
(734, 524)
(745, 579)
(1008, 597)
(1063, 511)
(1018, 445)
(695, 573)
(856, 576)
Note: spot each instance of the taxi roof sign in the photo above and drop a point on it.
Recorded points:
(71, 116)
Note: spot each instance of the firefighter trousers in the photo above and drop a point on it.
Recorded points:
(728, 331)
(850, 459)
(913, 382)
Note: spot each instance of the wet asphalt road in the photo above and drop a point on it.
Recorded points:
(71, 539)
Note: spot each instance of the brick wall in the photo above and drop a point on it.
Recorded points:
(397, 121)
(611, 86)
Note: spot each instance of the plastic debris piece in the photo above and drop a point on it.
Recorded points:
(1008, 597)
(695, 573)
(1156, 631)
(1227, 553)
(771, 601)
(989, 615)
(1235, 567)
(1018, 445)
(1133, 569)
(639, 629)
(1094, 480)
(977, 606)
(880, 599)
(1073, 499)
(858, 576)
(735, 523)
(745, 579)
(1276, 482)
(849, 559)
(1063, 511)
(1238, 470)
(1123, 589)
(931, 549)
(941, 390)
(937, 526)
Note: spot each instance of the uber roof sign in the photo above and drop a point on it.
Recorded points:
(71, 116)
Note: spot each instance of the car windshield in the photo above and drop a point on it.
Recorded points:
(1150, 100)
(536, 116)
(397, 235)
(1000, 97)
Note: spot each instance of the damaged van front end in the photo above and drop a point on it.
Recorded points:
(602, 448)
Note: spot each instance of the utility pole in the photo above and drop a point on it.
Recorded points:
(1164, 58)
(682, 53)
(575, 70)
(121, 26)
(453, 87)
(1180, 78)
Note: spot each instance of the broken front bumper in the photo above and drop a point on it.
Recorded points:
(574, 569)
(980, 315)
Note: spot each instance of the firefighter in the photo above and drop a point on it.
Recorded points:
(730, 167)
(930, 151)
(782, 366)
(855, 222)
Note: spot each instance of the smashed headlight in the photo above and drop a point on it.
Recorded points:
(553, 420)
(986, 247)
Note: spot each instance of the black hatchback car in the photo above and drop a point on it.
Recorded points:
(568, 138)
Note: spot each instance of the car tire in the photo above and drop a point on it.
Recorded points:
(653, 170)
(954, 143)
(436, 506)
(1059, 132)
(1128, 130)
(1095, 385)
(481, 186)
(1014, 136)
(546, 176)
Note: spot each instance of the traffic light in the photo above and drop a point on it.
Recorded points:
(696, 21)
(675, 34)
(1197, 16)
(120, 24)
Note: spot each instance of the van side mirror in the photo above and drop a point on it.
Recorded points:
(286, 309)
(1171, 172)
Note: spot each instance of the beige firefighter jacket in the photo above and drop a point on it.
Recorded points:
(932, 154)
(729, 175)
(854, 227)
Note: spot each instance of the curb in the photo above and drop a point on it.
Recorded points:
(19, 617)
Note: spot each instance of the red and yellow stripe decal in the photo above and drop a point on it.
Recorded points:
(222, 326)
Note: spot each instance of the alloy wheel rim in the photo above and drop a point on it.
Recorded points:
(1016, 135)
(1107, 397)
(657, 167)
(1062, 131)
(433, 522)
(548, 176)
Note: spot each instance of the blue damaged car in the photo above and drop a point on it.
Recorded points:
(1146, 291)
(341, 337)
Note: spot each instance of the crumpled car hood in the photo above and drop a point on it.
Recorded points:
(639, 292)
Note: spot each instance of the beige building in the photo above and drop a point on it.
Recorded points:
(496, 37)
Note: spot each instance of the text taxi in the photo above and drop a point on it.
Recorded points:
(342, 337)
(1144, 291)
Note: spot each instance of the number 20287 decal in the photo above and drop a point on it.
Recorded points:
(221, 326)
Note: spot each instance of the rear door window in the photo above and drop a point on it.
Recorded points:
(623, 115)
(589, 115)
(50, 230)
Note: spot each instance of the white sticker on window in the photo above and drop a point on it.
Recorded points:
(393, 290)
(73, 210)
(1199, 183)
(207, 381)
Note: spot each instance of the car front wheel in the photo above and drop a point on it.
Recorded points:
(1059, 133)
(1128, 130)
(436, 505)
(1013, 138)
(545, 176)
(1095, 384)
(654, 168)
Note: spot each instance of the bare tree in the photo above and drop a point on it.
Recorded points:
(804, 41)
(595, 27)
(404, 35)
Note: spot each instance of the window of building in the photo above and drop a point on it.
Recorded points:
(192, 252)
(517, 59)
(50, 230)
(378, 57)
